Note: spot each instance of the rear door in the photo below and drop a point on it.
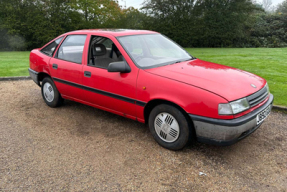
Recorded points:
(66, 66)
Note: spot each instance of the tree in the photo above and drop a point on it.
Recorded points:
(200, 23)
(28, 24)
(96, 13)
(266, 4)
(282, 8)
(176, 19)
(131, 18)
(36, 21)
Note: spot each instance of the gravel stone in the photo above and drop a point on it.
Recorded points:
(80, 148)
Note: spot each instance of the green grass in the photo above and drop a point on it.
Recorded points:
(14, 63)
(269, 63)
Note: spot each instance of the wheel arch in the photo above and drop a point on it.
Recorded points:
(42, 75)
(155, 102)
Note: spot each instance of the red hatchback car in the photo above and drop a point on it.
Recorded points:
(145, 76)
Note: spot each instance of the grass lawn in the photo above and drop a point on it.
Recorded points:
(14, 63)
(268, 63)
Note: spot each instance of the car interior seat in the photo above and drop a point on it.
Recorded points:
(101, 58)
(116, 54)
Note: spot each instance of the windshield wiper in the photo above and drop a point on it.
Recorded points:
(179, 61)
(192, 58)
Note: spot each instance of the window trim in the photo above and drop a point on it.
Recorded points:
(56, 54)
(97, 67)
(59, 45)
(89, 51)
(56, 48)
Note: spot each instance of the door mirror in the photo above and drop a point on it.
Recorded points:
(120, 66)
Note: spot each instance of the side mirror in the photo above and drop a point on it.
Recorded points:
(120, 66)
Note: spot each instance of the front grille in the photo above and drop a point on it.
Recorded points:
(258, 97)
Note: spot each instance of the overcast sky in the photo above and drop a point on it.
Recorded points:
(276, 2)
(137, 3)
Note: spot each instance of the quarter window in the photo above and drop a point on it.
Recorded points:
(72, 48)
(50, 49)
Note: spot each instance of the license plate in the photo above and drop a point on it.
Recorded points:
(263, 114)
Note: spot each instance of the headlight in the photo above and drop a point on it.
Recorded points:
(225, 109)
(233, 107)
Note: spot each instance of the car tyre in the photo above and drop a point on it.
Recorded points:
(50, 93)
(170, 127)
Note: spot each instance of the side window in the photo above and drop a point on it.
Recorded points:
(102, 52)
(108, 43)
(72, 48)
(50, 49)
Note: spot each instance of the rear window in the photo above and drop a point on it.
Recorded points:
(72, 48)
(50, 49)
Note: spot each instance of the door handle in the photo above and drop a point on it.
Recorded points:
(87, 74)
(55, 66)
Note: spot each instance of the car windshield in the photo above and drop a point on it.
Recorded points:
(153, 50)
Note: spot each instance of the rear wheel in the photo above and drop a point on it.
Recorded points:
(50, 93)
(169, 127)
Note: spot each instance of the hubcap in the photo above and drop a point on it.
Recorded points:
(48, 92)
(166, 127)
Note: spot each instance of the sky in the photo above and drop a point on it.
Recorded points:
(137, 3)
(276, 2)
(133, 3)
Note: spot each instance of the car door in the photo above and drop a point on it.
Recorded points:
(66, 66)
(113, 91)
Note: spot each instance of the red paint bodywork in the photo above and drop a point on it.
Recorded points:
(196, 86)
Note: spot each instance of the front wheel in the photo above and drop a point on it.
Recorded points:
(50, 93)
(169, 127)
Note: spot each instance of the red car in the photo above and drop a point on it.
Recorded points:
(145, 76)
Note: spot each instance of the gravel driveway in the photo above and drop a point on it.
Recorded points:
(80, 148)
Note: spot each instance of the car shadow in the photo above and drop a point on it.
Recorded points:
(110, 121)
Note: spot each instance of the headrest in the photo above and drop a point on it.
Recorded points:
(99, 50)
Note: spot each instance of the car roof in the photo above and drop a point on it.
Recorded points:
(114, 32)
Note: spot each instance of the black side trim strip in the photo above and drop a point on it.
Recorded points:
(234, 122)
(126, 99)
(140, 103)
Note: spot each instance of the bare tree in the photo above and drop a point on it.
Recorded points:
(267, 5)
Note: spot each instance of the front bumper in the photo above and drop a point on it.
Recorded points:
(34, 76)
(227, 132)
